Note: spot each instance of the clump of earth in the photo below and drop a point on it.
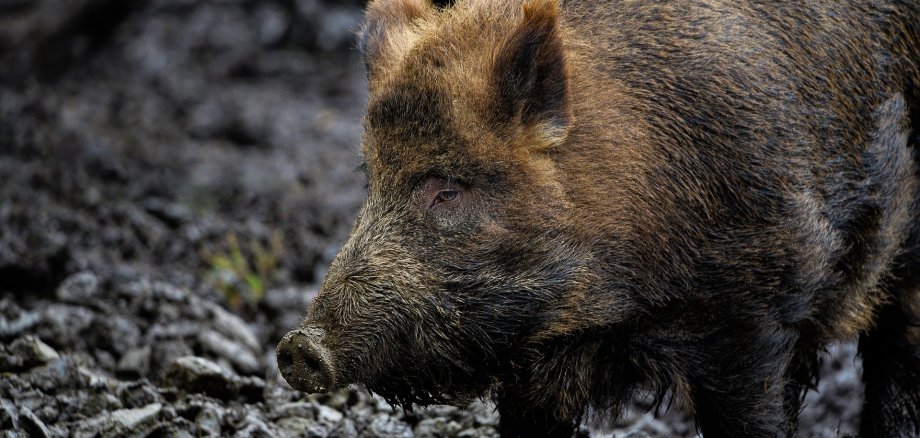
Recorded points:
(174, 177)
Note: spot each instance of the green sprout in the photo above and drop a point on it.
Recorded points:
(241, 274)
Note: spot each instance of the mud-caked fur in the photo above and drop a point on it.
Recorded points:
(569, 205)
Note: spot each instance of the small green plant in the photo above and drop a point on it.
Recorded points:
(241, 274)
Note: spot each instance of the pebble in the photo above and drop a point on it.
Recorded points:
(32, 425)
(209, 419)
(136, 362)
(327, 415)
(233, 326)
(9, 415)
(253, 427)
(200, 375)
(79, 288)
(132, 419)
(25, 352)
(241, 357)
(23, 322)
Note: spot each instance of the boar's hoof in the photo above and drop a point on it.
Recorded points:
(304, 362)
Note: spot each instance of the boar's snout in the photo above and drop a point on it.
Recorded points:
(304, 362)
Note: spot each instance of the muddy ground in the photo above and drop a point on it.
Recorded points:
(174, 177)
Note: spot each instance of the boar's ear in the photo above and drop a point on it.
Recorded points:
(531, 77)
(386, 27)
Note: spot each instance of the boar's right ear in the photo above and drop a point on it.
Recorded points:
(386, 27)
(531, 77)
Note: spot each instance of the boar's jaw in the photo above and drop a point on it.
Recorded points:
(304, 362)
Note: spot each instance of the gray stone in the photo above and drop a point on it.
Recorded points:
(60, 373)
(484, 413)
(345, 429)
(296, 425)
(327, 415)
(136, 362)
(296, 409)
(134, 419)
(209, 419)
(385, 426)
(122, 422)
(23, 322)
(79, 288)
(32, 425)
(65, 322)
(25, 352)
(9, 415)
(437, 427)
(253, 427)
(199, 375)
(233, 327)
(480, 432)
(240, 356)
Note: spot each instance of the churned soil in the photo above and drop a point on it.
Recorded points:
(174, 177)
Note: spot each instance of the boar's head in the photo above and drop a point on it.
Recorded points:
(463, 255)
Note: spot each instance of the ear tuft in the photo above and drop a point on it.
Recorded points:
(530, 73)
(384, 20)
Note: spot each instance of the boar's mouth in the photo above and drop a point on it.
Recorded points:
(308, 366)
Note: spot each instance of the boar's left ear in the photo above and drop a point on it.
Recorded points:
(531, 77)
(386, 29)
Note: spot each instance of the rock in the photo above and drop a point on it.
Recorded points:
(199, 375)
(121, 422)
(484, 413)
(138, 394)
(345, 429)
(25, 321)
(385, 426)
(9, 415)
(253, 427)
(157, 289)
(209, 419)
(64, 323)
(296, 409)
(58, 374)
(135, 363)
(327, 415)
(79, 288)
(166, 351)
(114, 333)
(481, 432)
(25, 352)
(133, 419)
(32, 425)
(233, 327)
(637, 434)
(437, 427)
(241, 357)
(296, 425)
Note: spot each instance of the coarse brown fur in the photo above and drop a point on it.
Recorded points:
(571, 204)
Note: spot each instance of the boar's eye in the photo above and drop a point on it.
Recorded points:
(446, 196)
(438, 192)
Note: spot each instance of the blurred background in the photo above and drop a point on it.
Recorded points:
(175, 175)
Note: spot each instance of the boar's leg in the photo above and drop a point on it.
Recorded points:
(891, 369)
(518, 418)
(739, 385)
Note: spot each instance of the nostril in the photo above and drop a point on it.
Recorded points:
(285, 361)
(304, 362)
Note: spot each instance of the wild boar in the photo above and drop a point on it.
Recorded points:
(572, 204)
